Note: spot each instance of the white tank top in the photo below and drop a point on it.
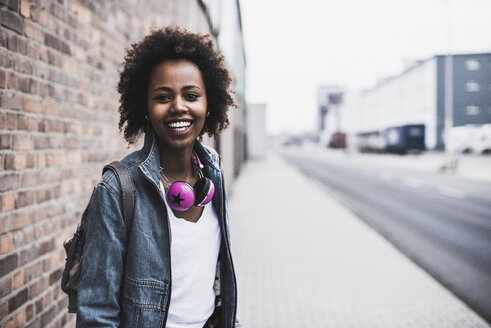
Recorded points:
(194, 254)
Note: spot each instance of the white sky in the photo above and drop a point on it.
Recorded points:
(294, 46)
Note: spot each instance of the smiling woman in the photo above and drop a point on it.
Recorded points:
(176, 103)
(174, 268)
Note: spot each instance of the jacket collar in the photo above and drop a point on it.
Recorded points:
(150, 155)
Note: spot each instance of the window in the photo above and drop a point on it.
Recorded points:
(472, 86)
(472, 110)
(472, 64)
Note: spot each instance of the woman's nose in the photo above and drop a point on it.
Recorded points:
(179, 105)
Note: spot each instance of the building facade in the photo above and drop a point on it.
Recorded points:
(59, 64)
(417, 96)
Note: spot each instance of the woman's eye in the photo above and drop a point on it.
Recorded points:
(162, 98)
(192, 96)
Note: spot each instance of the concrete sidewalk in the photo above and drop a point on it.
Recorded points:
(303, 260)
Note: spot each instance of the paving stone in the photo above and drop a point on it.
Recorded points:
(304, 260)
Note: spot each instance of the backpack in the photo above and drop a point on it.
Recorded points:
(74, 246)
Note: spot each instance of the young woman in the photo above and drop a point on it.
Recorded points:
(175, 269)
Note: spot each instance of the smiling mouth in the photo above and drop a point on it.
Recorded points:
(179, 126)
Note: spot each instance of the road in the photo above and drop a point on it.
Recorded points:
(441, 221)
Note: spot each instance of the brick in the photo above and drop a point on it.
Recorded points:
(41, 195)
(5, 287)
(17, 300)
(33, 87)
(55, 276)
(5, 57)
(52, 41)
(8, 264)
(42, 142)
(33, 50)
(3, 38)
(3, 79)
(15, 161)
(25, 198)
(53, 159)
(9, 182)
(46, 246)
(29, 312)
(2, 120)
(24, 84)
(22, 142)
(10, 324)
(5, 244)
(22, 65)
(3, 309)
(5, 141)
(20, 83)
(39, 306)
(32, 125)
(25, 9)
(13, 81)
(18, 239)
(20, 220)
(38, 287)
(29, 179)
(12, 42)
(30, 161)
(33, 33)
(22, 122)
(11, 21)
(8, 202)
(27, 256)
(32, 271)
(11, 121)
(20, 318)
(50, 108)
(22, 46)
(62, 305)
(5, 224)
(32, 105)
(41, 160)
(14, 5)
(48, 298)
(48, 316)
(11, 101)
(18, 279)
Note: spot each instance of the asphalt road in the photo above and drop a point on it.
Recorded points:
(442, 222)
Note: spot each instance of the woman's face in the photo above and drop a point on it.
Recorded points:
(176, 100)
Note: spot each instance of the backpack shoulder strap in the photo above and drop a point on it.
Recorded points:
(127, 191)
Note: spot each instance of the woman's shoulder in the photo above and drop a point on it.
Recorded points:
(109, 178)
(211, 154)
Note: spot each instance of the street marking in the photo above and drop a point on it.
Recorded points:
(455, 193)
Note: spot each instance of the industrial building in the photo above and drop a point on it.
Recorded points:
(417, 96)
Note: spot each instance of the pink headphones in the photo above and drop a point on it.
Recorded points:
(181, 196)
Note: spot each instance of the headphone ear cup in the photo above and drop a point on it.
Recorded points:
(203, 190)
(180, 196)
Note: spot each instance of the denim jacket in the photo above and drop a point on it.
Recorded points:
(127, 283)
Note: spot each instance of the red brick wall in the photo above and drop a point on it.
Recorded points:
(58, 127)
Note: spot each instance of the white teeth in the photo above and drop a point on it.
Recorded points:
(179, 126)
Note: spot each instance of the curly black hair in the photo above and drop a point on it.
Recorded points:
(168, 44)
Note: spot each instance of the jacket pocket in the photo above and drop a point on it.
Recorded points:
(143, 303)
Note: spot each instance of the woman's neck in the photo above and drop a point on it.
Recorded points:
(176, 163)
